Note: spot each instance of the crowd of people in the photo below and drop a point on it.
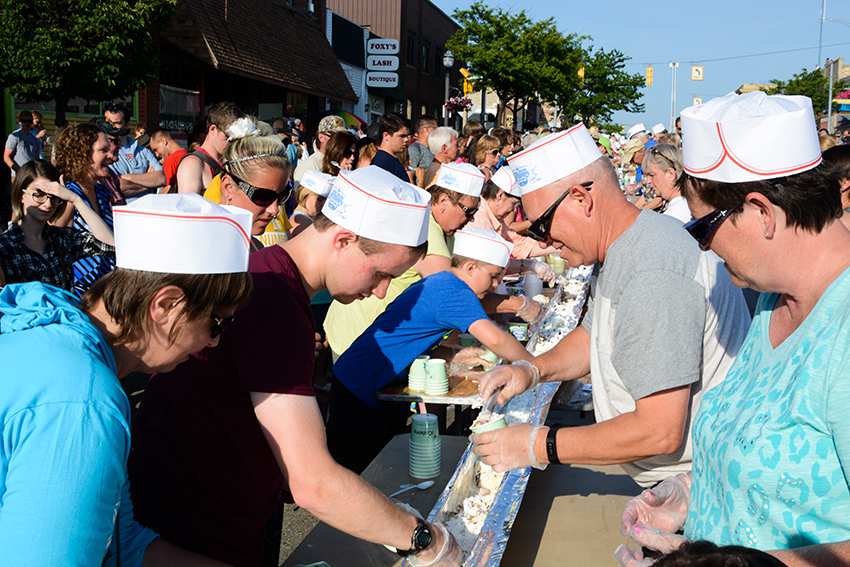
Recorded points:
(333, 266)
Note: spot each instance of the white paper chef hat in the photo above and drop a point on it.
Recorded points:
(461, 177)
(376, 204)
(554, 157)
(750, 137)
(639, 127)
(318, 182)
(658, 128)
(484, 245)
(182, 234)
(505, 180)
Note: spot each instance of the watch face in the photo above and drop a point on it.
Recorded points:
(422, 538)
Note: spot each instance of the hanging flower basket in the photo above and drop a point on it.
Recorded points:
(458, 104)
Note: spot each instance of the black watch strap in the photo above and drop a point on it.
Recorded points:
(552, 446)
(421, 539)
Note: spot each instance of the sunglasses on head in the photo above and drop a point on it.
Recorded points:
(539, 229)
(259, 196)
(704, 227)
(220, 325)
(115, 108)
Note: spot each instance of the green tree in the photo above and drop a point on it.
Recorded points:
(606, 89)
(811, 84)
(514, 56)
(61, 49)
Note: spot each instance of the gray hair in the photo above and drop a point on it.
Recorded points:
(662, 157)
(440, 137)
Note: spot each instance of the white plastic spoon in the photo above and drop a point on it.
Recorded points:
(420, 486)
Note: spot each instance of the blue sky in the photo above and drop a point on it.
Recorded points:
(659, 31)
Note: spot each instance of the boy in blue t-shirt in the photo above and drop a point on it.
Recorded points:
(415, 323)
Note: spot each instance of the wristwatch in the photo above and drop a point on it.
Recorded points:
(421, 539)
(552, 446)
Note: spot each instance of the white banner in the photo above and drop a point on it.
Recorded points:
(382, 63)
(382, 46)
(382, 80)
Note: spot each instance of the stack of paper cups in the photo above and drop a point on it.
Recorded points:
(425, 446)
(436, 379)
(416, 375)
(532, 285)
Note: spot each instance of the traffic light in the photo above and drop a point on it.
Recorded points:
(649, 75)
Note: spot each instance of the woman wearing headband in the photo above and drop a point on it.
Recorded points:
(256, 176)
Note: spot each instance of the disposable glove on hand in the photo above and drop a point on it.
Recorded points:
(531, 310)
(513, 379)
(508, 448)
(664, 507)
(543, 271)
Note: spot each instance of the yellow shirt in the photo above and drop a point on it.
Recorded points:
(275, 230)
(344, 323)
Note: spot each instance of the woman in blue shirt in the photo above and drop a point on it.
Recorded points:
(772, 442)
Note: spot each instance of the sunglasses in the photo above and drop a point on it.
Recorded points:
(40, 197)
(115, 108)
(704, 227)
(467, 211)
(348, 153)
(539, 229)
(220, 325)
(259, 196)
(493, 152)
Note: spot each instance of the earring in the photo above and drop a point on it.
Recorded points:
(766, 234)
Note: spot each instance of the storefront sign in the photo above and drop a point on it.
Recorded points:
(379, 46)
(382, 80)
(382, 62)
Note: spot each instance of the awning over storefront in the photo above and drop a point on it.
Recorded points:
(268, 41)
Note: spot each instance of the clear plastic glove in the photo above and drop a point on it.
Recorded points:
(653, 538)
(629, 558)
(513, 379)
(470, 356)
(664, 507)
(531, 310)
(450, 554)
(509, 448)
(542, 270)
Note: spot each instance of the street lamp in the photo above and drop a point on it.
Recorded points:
(448, 61)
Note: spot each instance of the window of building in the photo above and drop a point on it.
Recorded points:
(426, 56)
(411, 49)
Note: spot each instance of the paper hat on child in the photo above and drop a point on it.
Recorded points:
(636, 129)
(505, 180)
(461, 177)
(484, 245)
(658, 128)
(318, 182)
(376, 204)
(750, 137)
(182, 234)
(553, 157)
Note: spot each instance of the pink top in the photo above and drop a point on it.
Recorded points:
(484, 218)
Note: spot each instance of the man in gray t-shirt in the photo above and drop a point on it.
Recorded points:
(22, 145)
(663, 324)
(420, 156)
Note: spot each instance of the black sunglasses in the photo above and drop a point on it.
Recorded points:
(348, 153)
(467, 211)
(704, 227)
(220, 325)
(259, 196)
(115, 107)
(539, 229)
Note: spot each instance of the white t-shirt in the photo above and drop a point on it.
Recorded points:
(678, 209)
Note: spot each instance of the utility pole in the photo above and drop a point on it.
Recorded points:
(829, 103)
(820, 39)
(674, 65)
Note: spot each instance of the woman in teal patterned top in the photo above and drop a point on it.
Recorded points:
(771, 466)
